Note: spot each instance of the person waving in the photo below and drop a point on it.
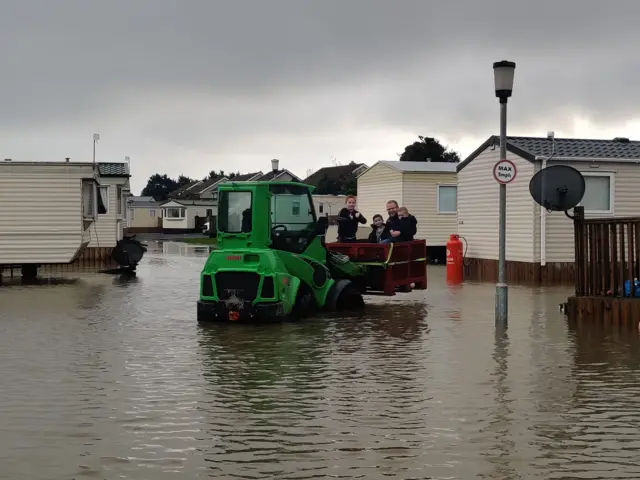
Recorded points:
(348, 220)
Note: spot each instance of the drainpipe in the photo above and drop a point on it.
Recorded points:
(543, 211)
(543, 228)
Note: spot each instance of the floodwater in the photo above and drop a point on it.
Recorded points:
(108, 379)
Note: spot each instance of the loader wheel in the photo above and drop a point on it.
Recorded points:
(305, 302)
(345, 296)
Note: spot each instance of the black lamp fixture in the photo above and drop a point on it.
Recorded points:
(503, 73)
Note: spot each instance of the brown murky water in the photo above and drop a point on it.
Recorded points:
(106, 379)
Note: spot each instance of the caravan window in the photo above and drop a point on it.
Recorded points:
(103, 200)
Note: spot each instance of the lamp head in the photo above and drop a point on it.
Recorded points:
(503, 73)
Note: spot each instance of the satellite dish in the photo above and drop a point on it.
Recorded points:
(558, 188)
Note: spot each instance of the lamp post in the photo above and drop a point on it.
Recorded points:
(96, 137)
(503, 78)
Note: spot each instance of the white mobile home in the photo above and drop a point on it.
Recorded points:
(48, 209)
(540, 244)
(143, 215)
(189, 207)
(179, 216)
(328, 205)
(113, 190)
(427, 189)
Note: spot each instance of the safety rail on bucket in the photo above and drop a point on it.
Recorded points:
(390, 266)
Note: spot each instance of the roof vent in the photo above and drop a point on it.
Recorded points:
(621, 140)
(7, 159)
(67, 159)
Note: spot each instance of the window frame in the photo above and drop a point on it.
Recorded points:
(438, 211)
(612, 191)
(223, 212)
(120, 207)
(303, 241)
(107, 204)
(152, 212)
(181, 211)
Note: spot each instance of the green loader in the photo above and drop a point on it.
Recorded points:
(271, 261)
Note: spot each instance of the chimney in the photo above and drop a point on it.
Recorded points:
(551, 135)
(67, 159)
(7, 159)
(274, 164)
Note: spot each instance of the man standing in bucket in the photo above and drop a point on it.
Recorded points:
(393, 222)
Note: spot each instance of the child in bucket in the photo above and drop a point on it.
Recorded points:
(348, 220)
(379, 231)
(409, 224)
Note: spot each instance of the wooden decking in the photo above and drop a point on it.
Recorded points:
(520, 273)
(91, 259)
(607, 266)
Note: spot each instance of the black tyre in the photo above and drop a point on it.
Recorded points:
(305, 302)
(345, 295)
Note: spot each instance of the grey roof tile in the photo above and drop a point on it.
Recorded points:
(334, 173)
(531, 147)
(244, 177)
(204, 185)
(575, 147)
(113, 169)
(183, 188)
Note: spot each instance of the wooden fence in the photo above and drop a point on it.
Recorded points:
(607, 255)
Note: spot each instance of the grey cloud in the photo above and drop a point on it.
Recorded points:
(206, 75)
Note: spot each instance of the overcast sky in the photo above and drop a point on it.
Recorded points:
(188, 86)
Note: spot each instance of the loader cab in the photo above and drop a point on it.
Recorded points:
(278, 215)
(293, 222)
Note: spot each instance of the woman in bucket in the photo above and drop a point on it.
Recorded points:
(348, 220)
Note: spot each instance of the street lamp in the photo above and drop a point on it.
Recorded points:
(503, 79)
(96, 137)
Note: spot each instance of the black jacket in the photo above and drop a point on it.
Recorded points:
(409, 227)
(348, 223)
(393, 223)
(373, 237)
(406, 227)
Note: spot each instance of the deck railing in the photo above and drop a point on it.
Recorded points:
(607, 255)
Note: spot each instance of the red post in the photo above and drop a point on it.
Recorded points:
(454, 260)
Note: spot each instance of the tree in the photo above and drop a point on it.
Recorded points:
(213, 174)
(182, 180)
(350, 186)
(326, 186)
(159, 186)
(428, 149)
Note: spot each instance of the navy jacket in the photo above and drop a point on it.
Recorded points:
(373, 237)
(409, 227)
(348, 223)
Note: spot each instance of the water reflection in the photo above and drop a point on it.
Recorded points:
(399, 320)
(18, 281)
(289, 358)
(105, 377)
(184, 249)
(500, 427)
(264, 386)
